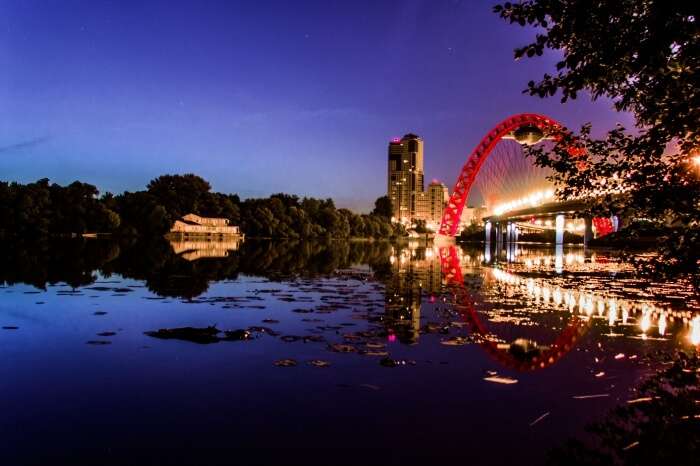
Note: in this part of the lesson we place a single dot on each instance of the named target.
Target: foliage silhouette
(38, 210)
(644, 55)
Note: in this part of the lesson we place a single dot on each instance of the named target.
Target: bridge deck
(549, 209)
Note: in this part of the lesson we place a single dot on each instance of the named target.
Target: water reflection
(526, 306)
(415, 275)
(192, 250)
(695, 330)
(183, 346)
(169, 271)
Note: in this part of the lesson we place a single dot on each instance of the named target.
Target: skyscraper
(439, 195)
(405, 175)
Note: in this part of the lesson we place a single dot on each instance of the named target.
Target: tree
(644, 55)
(140, 213)
(383, 207)
(40, 209)
(180, 194)
(420, 227)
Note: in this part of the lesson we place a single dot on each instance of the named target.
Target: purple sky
(258, 96)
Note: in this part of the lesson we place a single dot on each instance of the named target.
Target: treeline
(37, 209)
(286, 216)
(41, 209)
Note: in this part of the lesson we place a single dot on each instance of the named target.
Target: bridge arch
(460, 193)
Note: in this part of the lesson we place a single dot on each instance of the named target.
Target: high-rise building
(430, 204)
(439, 195)
(405, 184)
(405, 175)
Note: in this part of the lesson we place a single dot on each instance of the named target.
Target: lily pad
(237, 335)
(319, 363)
(285, 363)
(341, 348)
(202, 335)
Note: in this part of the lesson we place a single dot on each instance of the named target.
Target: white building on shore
(194, 225)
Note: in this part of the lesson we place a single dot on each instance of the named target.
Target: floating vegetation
(319, 363)
(455, 341)
(314, 339)
(588, 397)
(285, 363)
(202, 335)
(501, 379)
(237, 335)
(267, 330)
(539, 419)
(341, 348)
(389, 362)
(290, 338)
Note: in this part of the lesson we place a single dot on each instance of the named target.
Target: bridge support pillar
(559, 232)
(587, 230)
(499, 240)
(559, 258)
(511, 238)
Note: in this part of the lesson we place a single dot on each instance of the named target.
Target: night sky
(258, 96)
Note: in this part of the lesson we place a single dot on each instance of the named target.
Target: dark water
(357, 352)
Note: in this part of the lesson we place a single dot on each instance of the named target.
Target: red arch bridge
(525, 128)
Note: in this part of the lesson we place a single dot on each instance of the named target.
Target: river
(329, 351)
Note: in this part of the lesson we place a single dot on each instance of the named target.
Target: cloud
(24, 144)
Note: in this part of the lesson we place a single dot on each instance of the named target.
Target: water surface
(355, 351)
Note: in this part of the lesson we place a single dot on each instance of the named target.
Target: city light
(607, 307)
(695, 330)
(645, 323)
(612, 312)
(662, 324)
(531, 200)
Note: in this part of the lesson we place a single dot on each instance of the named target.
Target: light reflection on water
(367, 328)
(588, 284)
